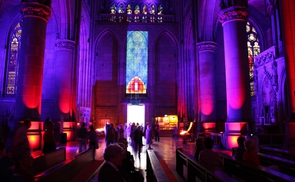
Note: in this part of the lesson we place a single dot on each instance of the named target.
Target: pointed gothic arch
(13, 45)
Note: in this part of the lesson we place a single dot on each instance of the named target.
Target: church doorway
(135, 114)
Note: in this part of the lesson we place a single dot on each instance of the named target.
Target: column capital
(234, 13)
(65, 44)
(206, 46)
(36, 10)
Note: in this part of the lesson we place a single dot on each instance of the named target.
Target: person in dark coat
(48, 138)
(137, 141)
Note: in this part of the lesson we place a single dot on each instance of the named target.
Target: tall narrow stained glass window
(136, 62)
(12, 64)
(253, 50)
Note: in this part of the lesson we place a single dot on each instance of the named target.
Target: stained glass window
(136, 62)
(12, 65)
(137, 13)
(253, 50)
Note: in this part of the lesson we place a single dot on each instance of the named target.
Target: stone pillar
(207, 91)
(233, 20)
(31, 61)
(288, 10)
(64, 79)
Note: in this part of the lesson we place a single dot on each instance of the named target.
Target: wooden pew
(286, 166)
(155, 172)
(277, 152)
(242, 171)
(47, 161)
(82, 168)
(196, 170)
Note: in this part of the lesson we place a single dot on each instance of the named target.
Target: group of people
(112, 134)
(119, 164)
(133, 133)
(85, 135)
(245, 152)
(136, 134)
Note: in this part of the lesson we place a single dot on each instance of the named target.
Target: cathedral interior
(225, 65)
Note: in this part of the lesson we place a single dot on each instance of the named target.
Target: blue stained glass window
(137, 62)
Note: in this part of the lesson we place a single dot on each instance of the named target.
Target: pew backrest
(155, 171)
(277, 152)
(81, 166)
(47, 161)
(195, 171)
(242, 171)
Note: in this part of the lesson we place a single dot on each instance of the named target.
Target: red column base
(232, 131)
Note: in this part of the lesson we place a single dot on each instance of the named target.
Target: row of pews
(55, 167)
(83, 167)
(234, 170)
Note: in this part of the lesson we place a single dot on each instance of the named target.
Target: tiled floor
(165, 150)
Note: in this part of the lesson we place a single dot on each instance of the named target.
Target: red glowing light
(208, 125)
(36, 125)
(232, 141)
(69, 124)
(69, 134)
(64, 102)
(235, 126)
(237, 98)
(207, 104)
(34, 141)
(185, 132)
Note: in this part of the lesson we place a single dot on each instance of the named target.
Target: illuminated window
(145, 12)
(113, 11)
(12, 65)
(136, 62)
(137, 13)
(253, 50)
(160, 12)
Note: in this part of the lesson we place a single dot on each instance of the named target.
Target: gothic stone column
(31, 61)
(64, 79)
(233, 20)
(288, 10)
(207, 91)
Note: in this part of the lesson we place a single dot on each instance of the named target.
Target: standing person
(93, 143)
(110, 134)
(128, 132)
(138, 141)
(120, 131)
(82, 134)
(20, 136)
(113, 156)
(148, 136)
(157, 130)
(22, 160)
(106, 128)
(46, 121)
(175, 137)
(48, 138)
